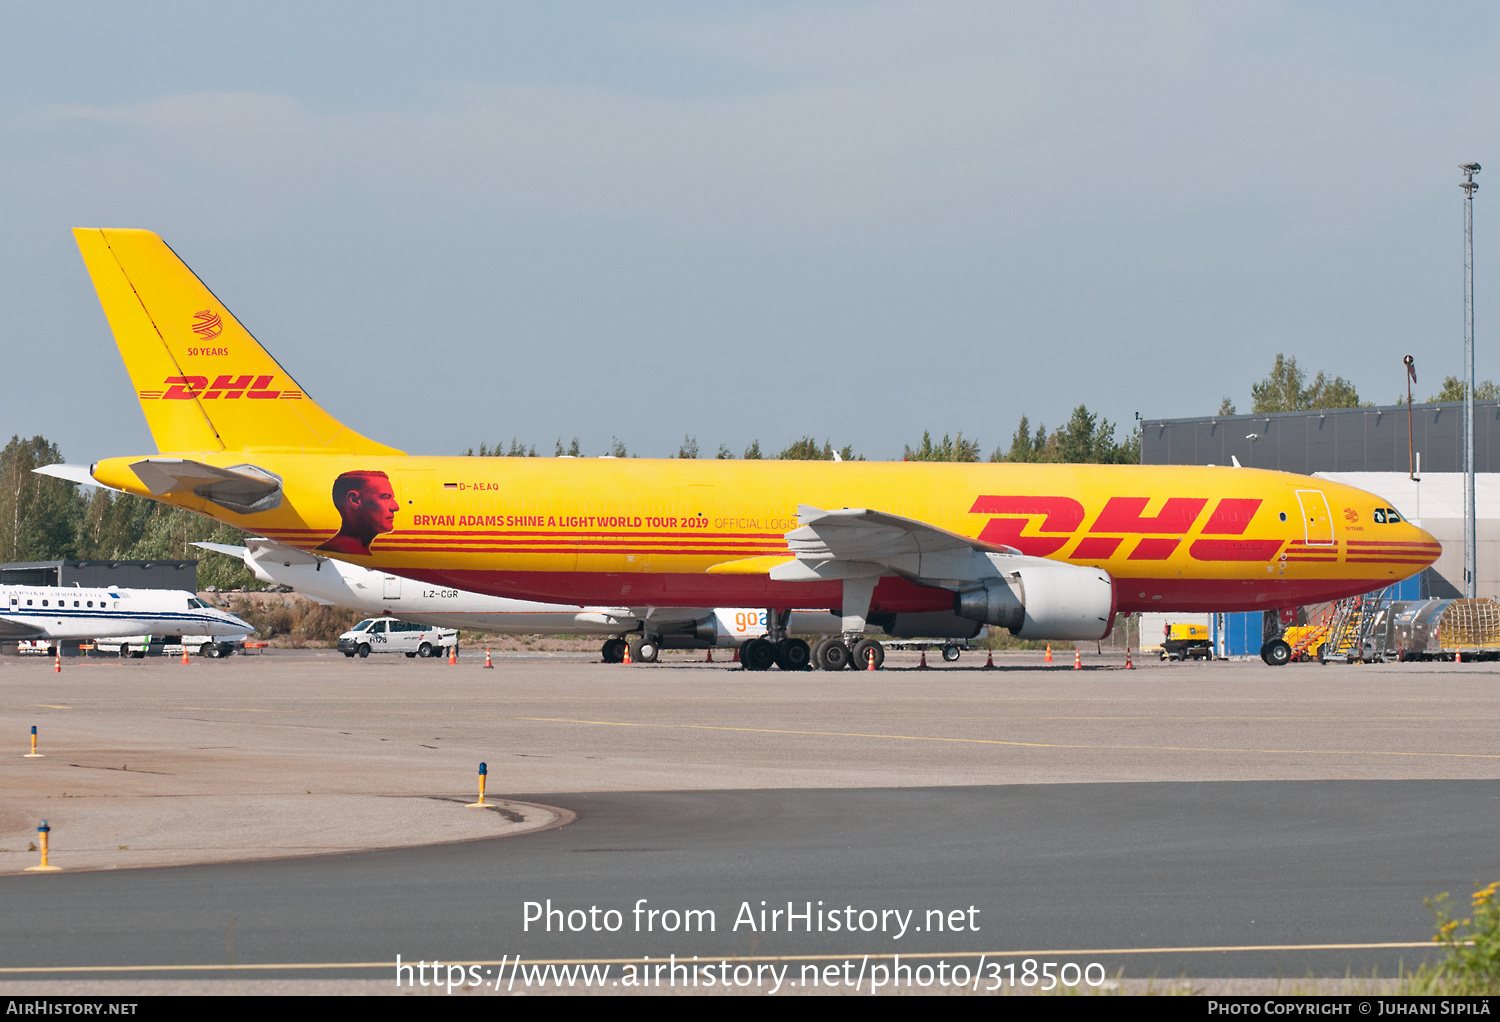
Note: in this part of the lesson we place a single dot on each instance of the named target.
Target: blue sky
(466, 222)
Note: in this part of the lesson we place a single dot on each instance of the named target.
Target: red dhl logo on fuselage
(1162, 533)
(188, 388)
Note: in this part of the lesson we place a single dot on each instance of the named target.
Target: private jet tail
(203, 381)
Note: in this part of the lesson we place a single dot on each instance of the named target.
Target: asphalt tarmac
(1065, 873)
(1202, 820)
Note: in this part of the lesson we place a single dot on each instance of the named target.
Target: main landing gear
(777, 647)
(644, 649)
(835, 652)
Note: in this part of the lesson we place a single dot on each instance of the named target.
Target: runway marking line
(51, 706)
(1068, 952)
(911, 738)
(996, 741)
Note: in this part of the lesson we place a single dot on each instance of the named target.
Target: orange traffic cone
(710, 656)
(1077, 659)
(626, 661)
(736, 656)
(1128, 665)
(184, 654)
(452, 656)
(1048, 658)
(924, 659)
(489, 664)
(989, 661)
(1458, 658)
(57, 662)
(870, 660)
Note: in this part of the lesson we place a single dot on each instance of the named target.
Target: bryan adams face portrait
(367, 504)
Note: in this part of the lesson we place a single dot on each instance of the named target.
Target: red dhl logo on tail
(1162, 533)
(189, 388)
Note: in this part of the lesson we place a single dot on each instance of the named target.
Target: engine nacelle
(1043, 600)
(932, 624)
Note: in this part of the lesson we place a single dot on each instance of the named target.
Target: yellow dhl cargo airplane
(1048, 551)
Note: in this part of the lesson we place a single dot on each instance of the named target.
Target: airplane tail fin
(204, 383)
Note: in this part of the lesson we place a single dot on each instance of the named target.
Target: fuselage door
(392, 587)
(1315, 517)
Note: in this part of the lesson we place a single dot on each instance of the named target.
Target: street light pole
(1471, 539)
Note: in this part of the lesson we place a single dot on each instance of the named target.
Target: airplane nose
(1429, 543)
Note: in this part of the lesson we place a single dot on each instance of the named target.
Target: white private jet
(58, 613)
(651, 628)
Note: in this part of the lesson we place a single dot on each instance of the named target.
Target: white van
(389, 635)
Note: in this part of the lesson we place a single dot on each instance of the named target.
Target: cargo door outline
(1317, 523)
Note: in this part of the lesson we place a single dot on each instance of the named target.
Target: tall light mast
(1471, 541)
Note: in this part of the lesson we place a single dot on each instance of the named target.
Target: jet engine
(1043, 600)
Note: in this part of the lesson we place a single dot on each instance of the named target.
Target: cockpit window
(194, 603)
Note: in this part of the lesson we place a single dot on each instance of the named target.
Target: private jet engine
(1043, 600)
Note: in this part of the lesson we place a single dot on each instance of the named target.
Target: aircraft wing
(859, 543)
(244, 489)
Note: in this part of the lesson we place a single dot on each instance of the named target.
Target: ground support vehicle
(1186, 642)
(392, 635)
(951, 650)
(1446, 630)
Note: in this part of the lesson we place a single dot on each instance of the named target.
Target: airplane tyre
(644, 651)
(226, 649)
(208, 649)
(757, 655)
(1276, 653)
(834, 656)
(364, 650)
(951, 653)
(613, 651)
(859, 658)
(793, 655)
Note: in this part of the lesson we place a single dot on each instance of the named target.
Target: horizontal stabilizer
(71, 473)
(224, 548)
(269, 550)
(243, 489)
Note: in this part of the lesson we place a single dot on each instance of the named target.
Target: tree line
(1287, 388)
(1084, 438)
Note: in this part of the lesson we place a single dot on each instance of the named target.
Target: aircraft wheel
(860, 656)
(834, 656)
(793, 655)
(613, 651)
(1276, 653)
(208, 649)
(138, 654)
(226, 649)
(644, 651)
(951, 653)
(364, 650)
(757, 655)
